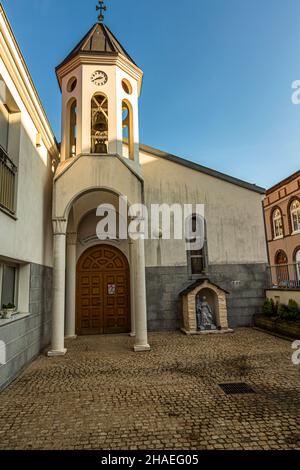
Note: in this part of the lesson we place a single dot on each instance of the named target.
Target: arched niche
(216, 299)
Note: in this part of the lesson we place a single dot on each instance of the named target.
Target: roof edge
(286, 180)
(203, 169)
(198, 283)
(77, 51)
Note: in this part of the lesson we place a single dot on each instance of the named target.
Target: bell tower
(100, 85)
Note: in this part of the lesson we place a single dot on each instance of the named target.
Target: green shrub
(283, 311)
(8, 306)
(269, 308)
(293, 310)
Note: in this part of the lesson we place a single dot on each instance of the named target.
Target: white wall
(235, 225)
(29, 237)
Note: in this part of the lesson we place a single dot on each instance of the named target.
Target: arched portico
(74, 234)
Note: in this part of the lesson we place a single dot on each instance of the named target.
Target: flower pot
(8, 313)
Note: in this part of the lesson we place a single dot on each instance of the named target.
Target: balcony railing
(8, 172)
(284, 276)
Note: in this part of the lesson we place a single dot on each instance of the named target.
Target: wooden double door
(103, 292)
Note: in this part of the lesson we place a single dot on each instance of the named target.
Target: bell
(100, 147)
(100, 123)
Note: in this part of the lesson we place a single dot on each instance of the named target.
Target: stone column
(141, 339)
(70, 331)
(132, 287)
(59, 280)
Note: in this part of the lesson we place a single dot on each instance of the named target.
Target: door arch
(103, 292)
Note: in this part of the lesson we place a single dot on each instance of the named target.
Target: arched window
(282, 268)
(295, 215)
(99, 124)
(277, 224)
(196, 245)
(297, 261)
(127, 123)
(71, 151)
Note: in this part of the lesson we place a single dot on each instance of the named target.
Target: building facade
(28, 153)
(126, 284)
(282, 217)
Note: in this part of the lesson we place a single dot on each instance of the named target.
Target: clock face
(99, 78)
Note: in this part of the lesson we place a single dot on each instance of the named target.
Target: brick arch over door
(103, 292)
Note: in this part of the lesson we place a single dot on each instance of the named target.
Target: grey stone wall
(25, 338)
(246, 284)
(163, 285)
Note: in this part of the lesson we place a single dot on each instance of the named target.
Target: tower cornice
(100, 59)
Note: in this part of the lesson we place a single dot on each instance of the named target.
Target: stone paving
(104, 396)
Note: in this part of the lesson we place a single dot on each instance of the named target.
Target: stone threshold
(208, 332)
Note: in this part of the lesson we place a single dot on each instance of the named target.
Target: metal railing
(8, 172)
(285, 276)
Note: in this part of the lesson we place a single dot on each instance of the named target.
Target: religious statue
(205, 317)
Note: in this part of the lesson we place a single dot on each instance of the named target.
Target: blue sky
(218, 74)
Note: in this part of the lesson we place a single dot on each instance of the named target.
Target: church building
(63, 280)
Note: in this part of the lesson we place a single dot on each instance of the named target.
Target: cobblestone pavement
(104, 396)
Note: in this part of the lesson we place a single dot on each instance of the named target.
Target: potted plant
(8, 310)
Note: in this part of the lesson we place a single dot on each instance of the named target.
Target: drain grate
(236, 388)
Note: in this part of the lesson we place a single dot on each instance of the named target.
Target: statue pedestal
(208, 328)
(207, 332)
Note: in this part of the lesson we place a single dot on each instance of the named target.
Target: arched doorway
(282, 268)
(103, 292)
(297, 261)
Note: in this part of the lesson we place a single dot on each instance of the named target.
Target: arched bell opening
(72, 128)
(99, 124)
(127, 124)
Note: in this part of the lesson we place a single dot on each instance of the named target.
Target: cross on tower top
(101, 7)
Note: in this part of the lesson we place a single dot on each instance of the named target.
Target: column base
(56, 353)
(71, 337)
(132, 334)
(139, 348)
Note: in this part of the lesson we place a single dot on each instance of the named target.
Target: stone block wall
(26, 337)
(245, 283)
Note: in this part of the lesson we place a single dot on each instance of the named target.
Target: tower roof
(98, 41)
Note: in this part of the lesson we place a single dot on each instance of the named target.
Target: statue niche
(206, 318)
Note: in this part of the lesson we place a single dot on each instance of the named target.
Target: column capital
(72, 238)
(59, 226)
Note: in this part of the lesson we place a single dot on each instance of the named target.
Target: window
(297, 261)
(282, 268)
(9, 122)
(72, 83)
(295, 216)
(10, 132)
(127, 123)
(99, 124)
(8, 277)
(197, 259)
(277, 224)
(4, 126)
(197, 262)
(127, 86)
